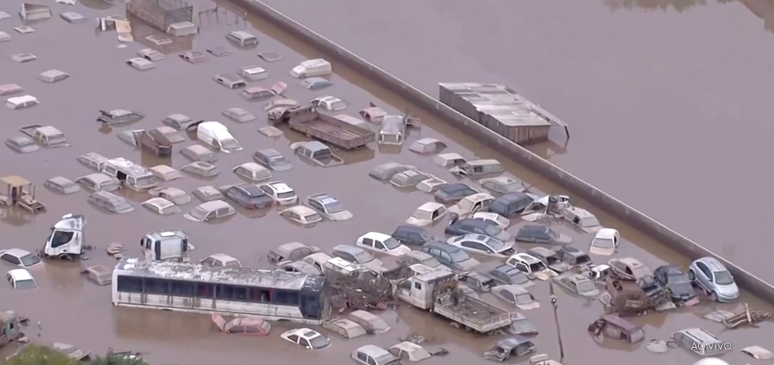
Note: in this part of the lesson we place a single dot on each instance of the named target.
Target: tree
(40, 355)
(116, 360)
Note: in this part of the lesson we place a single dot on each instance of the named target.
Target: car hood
(730, 290)
(418, 222)
(399, 251)
(682, 290)
(281, 166)
(533, 305)
(340, 216)
(564, 239)
(190, 217)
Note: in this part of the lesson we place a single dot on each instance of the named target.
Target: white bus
(186, 287)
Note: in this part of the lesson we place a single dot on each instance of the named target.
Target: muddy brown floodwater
(666, 107)
(75, 311)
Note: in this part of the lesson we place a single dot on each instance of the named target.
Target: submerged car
(382, 243)
(700, 341)
(210, 211)
(452, 257)
(713, 277)
(22, 144)
(329, 103)
(516, 295)
(577, 284)
(356, 255)
(20, 279)
(605, 242)
(328, 206)
(509, 275)
(535, 233)
(280, 192)
(301, 214)
(483, 245)
(248, 196)
(291, 251)
(306, 338)
(453, 193)
(427, 214)
(272, 159)
(387, 170)
(110, 202)
(513, 346)
(467, 226)
(412, 235)
(676, 280)
(19, 257)
(119, 116)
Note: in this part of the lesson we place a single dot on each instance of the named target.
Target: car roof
(410, 228)
(372, 350)
(214, 205)
(18, 252)
(515, 289)
(324, 198)
(442, 246)
(606, 233)
(505, 269)
(280, 186)
(376, 236)
(513, 196)
(454, 187)
(353, 250)
(534, 227)
(699, 333)
(20, 274)
(269, 152)
(250, 190)
(527, 258)
(670, 269)
(159, 202)
(430, 206)
(475, 222)
(712, 263)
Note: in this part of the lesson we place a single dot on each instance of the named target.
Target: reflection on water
(679, 5)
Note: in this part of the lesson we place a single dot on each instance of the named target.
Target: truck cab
(166, 246)
(419, 290)
(9, 328)
(67, 237)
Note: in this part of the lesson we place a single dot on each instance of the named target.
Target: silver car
(22, 144)
(110, 202)
(712, 276)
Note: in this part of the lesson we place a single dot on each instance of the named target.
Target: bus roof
(225, 275)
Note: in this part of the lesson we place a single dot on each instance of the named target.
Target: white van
(312, 68)
(131, 175)
(21, 102)
(217, 135)
(242, 38)
(166, 246)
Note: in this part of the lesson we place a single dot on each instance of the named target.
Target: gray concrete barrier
(552, 172)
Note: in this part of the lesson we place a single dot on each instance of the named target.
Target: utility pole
(556, 320)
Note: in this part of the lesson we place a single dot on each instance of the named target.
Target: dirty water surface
(72, 310)
(654, 92)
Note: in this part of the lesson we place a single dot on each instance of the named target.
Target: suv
(412, 235)
(453, 257)
(699, 341)
(712, 276)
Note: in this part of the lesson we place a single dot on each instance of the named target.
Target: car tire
(691, 275)
(713, 296)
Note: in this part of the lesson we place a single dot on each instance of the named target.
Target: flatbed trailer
(327, 128)
(472, 313)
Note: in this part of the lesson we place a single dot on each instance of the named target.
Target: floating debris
(4, 37)
(34, 11)
(24, 57)
(748, 317)
(182, 29)
(758, 352)
(719, 315)
(72, 17)
(114, 248)
(270, 56)
(24, 29)
(4, 15)
(657, 346)
(66, 2)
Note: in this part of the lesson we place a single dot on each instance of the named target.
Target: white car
(382, 243)
(329, 103)
(483, 245)
(328, 206)
(253, 73)
(21, 279)
(471, 204)
(221, 260)
(495, 218)
(307, 338)
(301, 214)
(427, 214)
(161, 206)
(605, 242)
(530, 265)
(280, 192)
(19, 257)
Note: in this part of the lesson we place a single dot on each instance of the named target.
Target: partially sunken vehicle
(387, 170)
(291, 251)
(217, 136)
(427, 145)
(99, 275)
(617, 328)
(324, 127)
(177, 121)
(161, 206)
(201, 169)
(22, 144)
(198, 153)
(67, 238)
(345, 327)
(407, 179)
(119, 116)
(130, 174)
(93, 160)
(317, 152)
(513, 346)
(174, 195)
(98, 182)
(577, 284)
(272, 159)
(62, 185)
(48, 136)
(369, 321)
(110, 202)
(328, 206)
(210, 211)
(242, 325)
(221, 259)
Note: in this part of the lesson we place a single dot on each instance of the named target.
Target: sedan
(495, 218)
(452, 257)
(509, 275)
(453, 193)
(307, 338)
(676, 280)
(221, 260)
(329, 103)
(328, 206)
(535, 233)
(517, 296)
(381, 243)
(161, 206)
(467, 226)
(253, 73)
(419, 258)
(578, 284)
(19, 257)
(272, 159)
(315, 83)
(22, 144)
(247, 196)
(483, 245)
(301, 214)
(503, 185)
(356, 255)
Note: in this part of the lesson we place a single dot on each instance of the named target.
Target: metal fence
(161, 13)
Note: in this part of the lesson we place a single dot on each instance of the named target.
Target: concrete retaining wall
(562, 178)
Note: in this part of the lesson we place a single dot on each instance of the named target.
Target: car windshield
(443, 194)
(230, 144)
(537, 266)
(551, 233)
(286, 195)
(333, 207)
(199, 213)
(432, 262)
(459, 256)
(517, 277)
(25, 284)
(524, 298)
(604, 243)
(319, 342)
(492, 230)
(29, 260)
(586, 286)
(589, 222)
(312, 217)
(121, 205)
(391, 243)
(723, 278)
(677, 279)
(496, 245)
(277, 160)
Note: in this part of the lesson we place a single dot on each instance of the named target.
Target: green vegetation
(40, 355)
(112, 360)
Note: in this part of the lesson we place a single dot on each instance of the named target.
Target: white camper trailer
(67, 238)
(166, 246)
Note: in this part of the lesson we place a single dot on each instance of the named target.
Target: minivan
(132, 175)
(452, 257)
(510, 205)
(242, 38)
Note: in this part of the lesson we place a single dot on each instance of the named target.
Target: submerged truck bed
(328, 128)
(472, 313)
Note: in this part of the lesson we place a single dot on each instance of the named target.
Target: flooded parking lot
(649, 89)
(73, 310)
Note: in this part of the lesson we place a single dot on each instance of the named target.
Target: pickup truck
(327, 128)
(431, 292)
